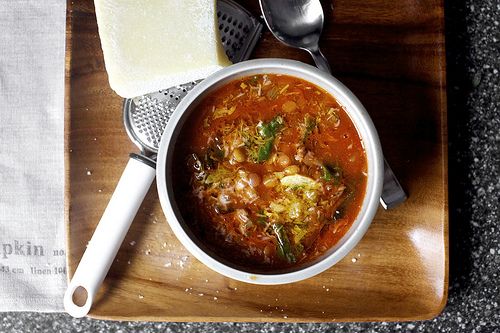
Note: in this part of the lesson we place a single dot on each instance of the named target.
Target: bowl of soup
(270, 171)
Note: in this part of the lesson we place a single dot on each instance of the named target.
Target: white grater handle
(109, 234)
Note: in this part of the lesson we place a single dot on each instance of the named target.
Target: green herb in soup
(270, 171)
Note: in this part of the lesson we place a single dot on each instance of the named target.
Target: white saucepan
(359, 117)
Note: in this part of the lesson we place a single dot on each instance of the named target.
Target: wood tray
(391, 54)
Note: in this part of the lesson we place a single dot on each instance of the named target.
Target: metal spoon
(298, 23)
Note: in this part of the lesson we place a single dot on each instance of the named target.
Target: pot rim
(353, 108)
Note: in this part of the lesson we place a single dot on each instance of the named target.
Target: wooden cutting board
(392, 56)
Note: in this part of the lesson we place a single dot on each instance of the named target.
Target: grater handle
(109, 234)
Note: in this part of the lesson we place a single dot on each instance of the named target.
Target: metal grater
(146, 116)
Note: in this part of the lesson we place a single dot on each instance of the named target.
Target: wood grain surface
(391, 55)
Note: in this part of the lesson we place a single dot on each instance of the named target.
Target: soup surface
(270, 171)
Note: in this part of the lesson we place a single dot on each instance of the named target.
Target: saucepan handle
(109, 234)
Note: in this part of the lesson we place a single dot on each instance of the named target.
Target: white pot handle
(109, 234)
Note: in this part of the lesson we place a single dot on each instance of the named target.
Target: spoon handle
(392, 194)
(320, 59)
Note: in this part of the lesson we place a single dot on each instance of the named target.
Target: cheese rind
(155, 44)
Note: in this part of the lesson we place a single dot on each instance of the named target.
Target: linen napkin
(32, 239)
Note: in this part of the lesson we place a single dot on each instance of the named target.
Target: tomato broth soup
(270, 173)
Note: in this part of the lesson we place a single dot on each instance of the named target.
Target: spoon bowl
(297, 23)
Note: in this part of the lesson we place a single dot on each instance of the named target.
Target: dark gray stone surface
(473, 55)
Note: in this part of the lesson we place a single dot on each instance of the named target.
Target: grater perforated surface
(146, 116)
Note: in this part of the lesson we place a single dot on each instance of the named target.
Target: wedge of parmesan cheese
(155, 44)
